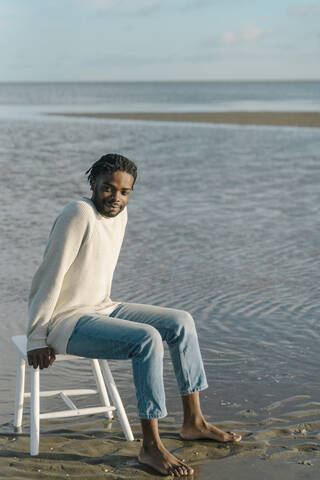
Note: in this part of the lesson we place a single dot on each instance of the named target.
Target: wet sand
(276, 444)
(294, 119)
(78, 456)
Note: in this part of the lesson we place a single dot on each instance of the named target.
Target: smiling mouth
(113, 207)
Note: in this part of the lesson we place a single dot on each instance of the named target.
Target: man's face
(111, 192)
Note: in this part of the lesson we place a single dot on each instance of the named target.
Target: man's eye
(125, 193)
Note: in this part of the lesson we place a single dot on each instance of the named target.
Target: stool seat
(104, 381)
(20, 343)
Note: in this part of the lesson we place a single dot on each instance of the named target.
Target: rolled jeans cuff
(144, 416)
(194, 390)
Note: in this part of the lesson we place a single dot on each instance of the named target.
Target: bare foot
(208, 431)
(158, 458)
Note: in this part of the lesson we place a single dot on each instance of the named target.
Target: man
(70, 311)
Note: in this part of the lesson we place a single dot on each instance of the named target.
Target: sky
(143, 40)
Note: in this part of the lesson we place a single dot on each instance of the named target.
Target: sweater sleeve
(70, 230)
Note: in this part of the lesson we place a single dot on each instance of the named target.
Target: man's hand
(41, 357)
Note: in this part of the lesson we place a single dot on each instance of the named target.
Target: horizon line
(164, 81)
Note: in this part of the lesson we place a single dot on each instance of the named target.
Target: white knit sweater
(75, 275)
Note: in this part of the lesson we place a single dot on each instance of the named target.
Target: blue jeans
(137, 331)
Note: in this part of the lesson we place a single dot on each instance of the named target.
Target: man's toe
(236, 437)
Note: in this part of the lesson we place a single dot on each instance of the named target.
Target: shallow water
(162, 96)
(223, 222)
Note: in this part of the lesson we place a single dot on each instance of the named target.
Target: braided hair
(110, 163)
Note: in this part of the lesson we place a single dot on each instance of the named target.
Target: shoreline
(289, 119)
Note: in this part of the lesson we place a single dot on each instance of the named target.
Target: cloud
(305, 9)
(250, 34)
(228, 38)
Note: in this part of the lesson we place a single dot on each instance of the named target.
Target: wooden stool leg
(101, 385)
(19, 400)
(35, 412)
(116, 399)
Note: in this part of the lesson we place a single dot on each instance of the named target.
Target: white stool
(103, 378)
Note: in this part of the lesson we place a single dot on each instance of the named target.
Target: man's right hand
(41, 357)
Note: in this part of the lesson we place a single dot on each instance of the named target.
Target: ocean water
(158, 96)
(223, 222)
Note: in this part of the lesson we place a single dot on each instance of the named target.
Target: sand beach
(293, 119)
(270, 449)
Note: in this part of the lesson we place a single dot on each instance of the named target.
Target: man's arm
(70, 230)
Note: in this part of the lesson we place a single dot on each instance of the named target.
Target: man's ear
(92, 184)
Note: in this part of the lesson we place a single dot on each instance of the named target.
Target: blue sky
(112, 40)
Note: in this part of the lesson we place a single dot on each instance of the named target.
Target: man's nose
(116, 196)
